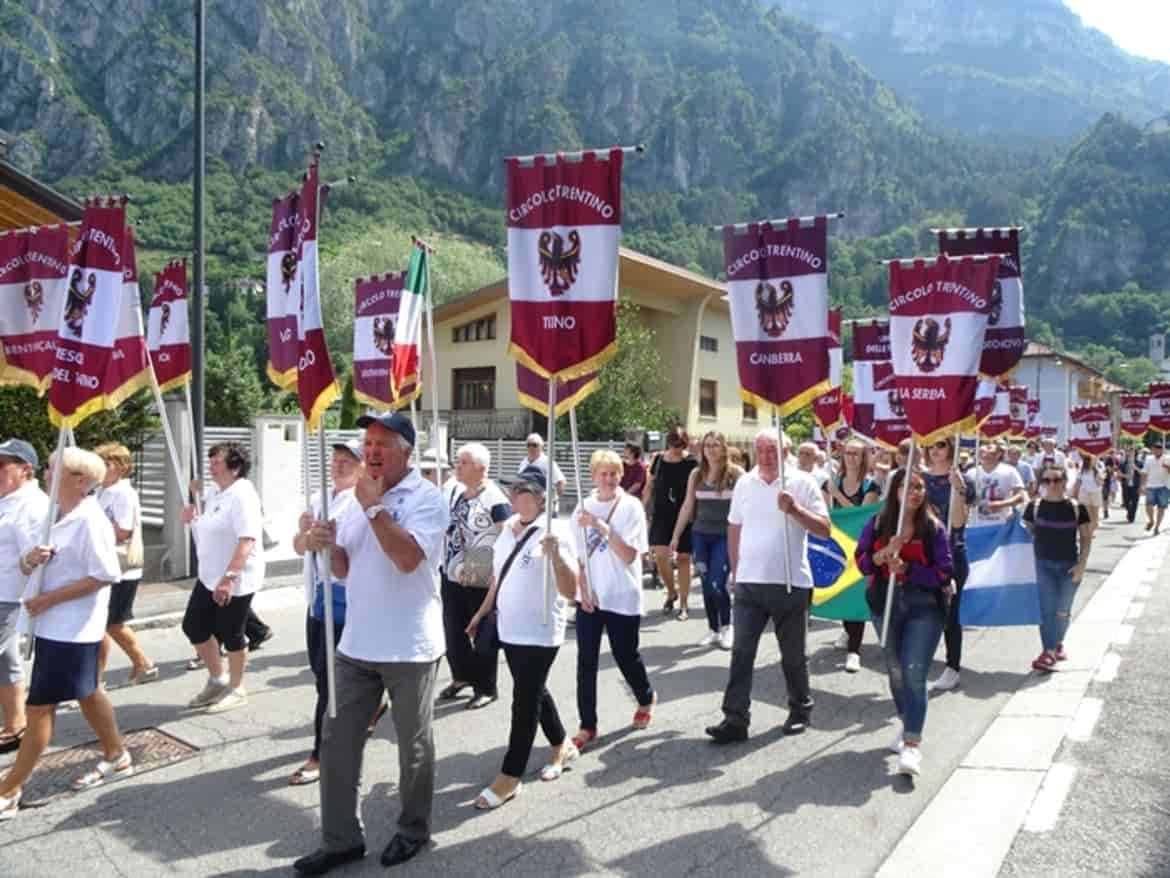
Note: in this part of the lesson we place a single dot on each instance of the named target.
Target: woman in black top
(1063, 534)
(666, 489)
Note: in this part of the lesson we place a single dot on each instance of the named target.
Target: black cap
(395, 421)
(530, 479)
(20, 450)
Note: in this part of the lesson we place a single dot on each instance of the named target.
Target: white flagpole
(34, 587)
(777, 419)
(550, 489)
(326, 571)
(901, 523)
(586, 591)
(306, 488)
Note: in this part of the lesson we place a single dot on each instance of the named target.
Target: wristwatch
(372, 512)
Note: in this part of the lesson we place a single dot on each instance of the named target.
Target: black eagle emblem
(896, 406)
(78, 301)
(1017, 415)
(288, 270)
(558, 265)
(929, 343)
(1164, 405)
(1135, 414)
(1093, 428)
(34, 298)
(996, 309)
(384, 335)
(774, 308)
(164, 318)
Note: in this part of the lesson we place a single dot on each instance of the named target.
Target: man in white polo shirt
(387, 547)
(773, 581)
(1156, 482)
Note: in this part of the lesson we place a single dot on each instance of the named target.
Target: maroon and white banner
(168, 334)
(871, 344)
(564, 230)
(376, 302)
(533, 390)
(90, 314)
(1091, 429)
(34, 267)
(938, 314)
(316, 386)
(778, 289)
(1135, 414)
(985, 399)
(129, 369)
(890, 425)
(1004, 342)
(999, 421)
(1033, 427)
(1160, 407)
(1018, 409)
(827, 406)
(282, 296)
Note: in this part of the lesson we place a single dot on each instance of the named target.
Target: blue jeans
(1057, 591)
(916, 625)
(710, 556)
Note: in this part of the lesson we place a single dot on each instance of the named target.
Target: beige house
(692, 331)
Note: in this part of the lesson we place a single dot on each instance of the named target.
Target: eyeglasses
(917, 487)
(533, 444)
(938, 445)
(1051, 481)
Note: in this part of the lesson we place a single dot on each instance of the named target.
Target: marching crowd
(419, 563)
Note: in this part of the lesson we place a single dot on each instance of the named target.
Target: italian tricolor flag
(409, 329)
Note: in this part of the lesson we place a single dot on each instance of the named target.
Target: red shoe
(643, 715)
(1061, 655)
(1045, 662)
(582, 738)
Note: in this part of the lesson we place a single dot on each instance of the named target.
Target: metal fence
(508, 454)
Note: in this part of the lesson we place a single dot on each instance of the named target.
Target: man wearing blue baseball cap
(23, 507)
(387, 547)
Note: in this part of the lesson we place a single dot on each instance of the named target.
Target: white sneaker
(852, 663)
(726, 637)
(842, 641)
(896, 744)
(710, 638)
(210, 694)
(910, 761)
(231, 699)
(947, 680)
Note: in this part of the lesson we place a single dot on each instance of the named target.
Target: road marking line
(1135, 610)
(1084, 721)
(1124, 635)
(1045, 810)
(1107, 671)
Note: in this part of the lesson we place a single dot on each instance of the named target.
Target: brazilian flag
(839, 587)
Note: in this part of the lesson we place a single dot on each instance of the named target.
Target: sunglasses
(938, 445)
(1051, 481)
(533, 444)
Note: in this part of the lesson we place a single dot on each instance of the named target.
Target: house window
(707, 398)
(707, 343)
(483, 329)
(750, 413)
(475, 388)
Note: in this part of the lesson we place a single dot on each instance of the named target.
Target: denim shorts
(1159, 497)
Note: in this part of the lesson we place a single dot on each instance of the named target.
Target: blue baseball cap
(353, 446)
(394, 421)
(21, 450)
(530, 479)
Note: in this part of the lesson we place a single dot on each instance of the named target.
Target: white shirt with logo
(999, 484)
(84, 547)
(392, 615)
(1157, 470)
(762, 550)
(22, 522)
(122, 507)
(229, 516)
(616, 585)
(519, 600)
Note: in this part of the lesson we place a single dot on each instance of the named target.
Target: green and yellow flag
(839, 587)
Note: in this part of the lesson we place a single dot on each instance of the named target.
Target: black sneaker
(319, 862)
(727, 733)
(259, 640)
(797, 722)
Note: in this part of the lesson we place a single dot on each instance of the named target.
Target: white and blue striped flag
(1001, 589)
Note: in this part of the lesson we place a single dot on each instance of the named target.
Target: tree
(629, 397)
(25, 416)
(234, 392)
(349, 405)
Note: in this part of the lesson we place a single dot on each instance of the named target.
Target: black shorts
(62, 672)
(662, 533)
(205, 619)
(122, 596)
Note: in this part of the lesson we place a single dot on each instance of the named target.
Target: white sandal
(104, 771)
(491, 801)
(10, 805)
(551, 772)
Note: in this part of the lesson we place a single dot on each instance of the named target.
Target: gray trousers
(755, 604)
(411, 687)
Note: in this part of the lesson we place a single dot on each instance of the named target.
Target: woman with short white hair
(477, 512)
(69, 614)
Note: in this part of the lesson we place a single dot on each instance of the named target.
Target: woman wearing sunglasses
(1063, 534)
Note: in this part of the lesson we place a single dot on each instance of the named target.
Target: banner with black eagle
(375, 322)
(281, 294)
(1160, 406)
(1018, 409)
(1135, 414)
(938, 315)
(168, 333)
(999, 420)
(778, 289)
(1034, 425)
(871, 346)
(827, 407)
(88, 322)
(129, 369)
(1004, 342)
(34, 272)
(564, 231)
(1091, 429)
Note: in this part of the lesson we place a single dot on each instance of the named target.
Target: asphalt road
(660, 802)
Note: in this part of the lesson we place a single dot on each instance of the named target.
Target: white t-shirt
(22, 519)
(541, 463)
(338, 504)
(1042, 458)
(762, 550)
(84, 542)
(999, 484)
(519, 601)
(616, 586)
(1157, 470)
(1090, 486)
(229, 516)
(120, 504)
(392, 616)
(472, 523)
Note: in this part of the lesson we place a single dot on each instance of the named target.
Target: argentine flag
(1001, 589)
